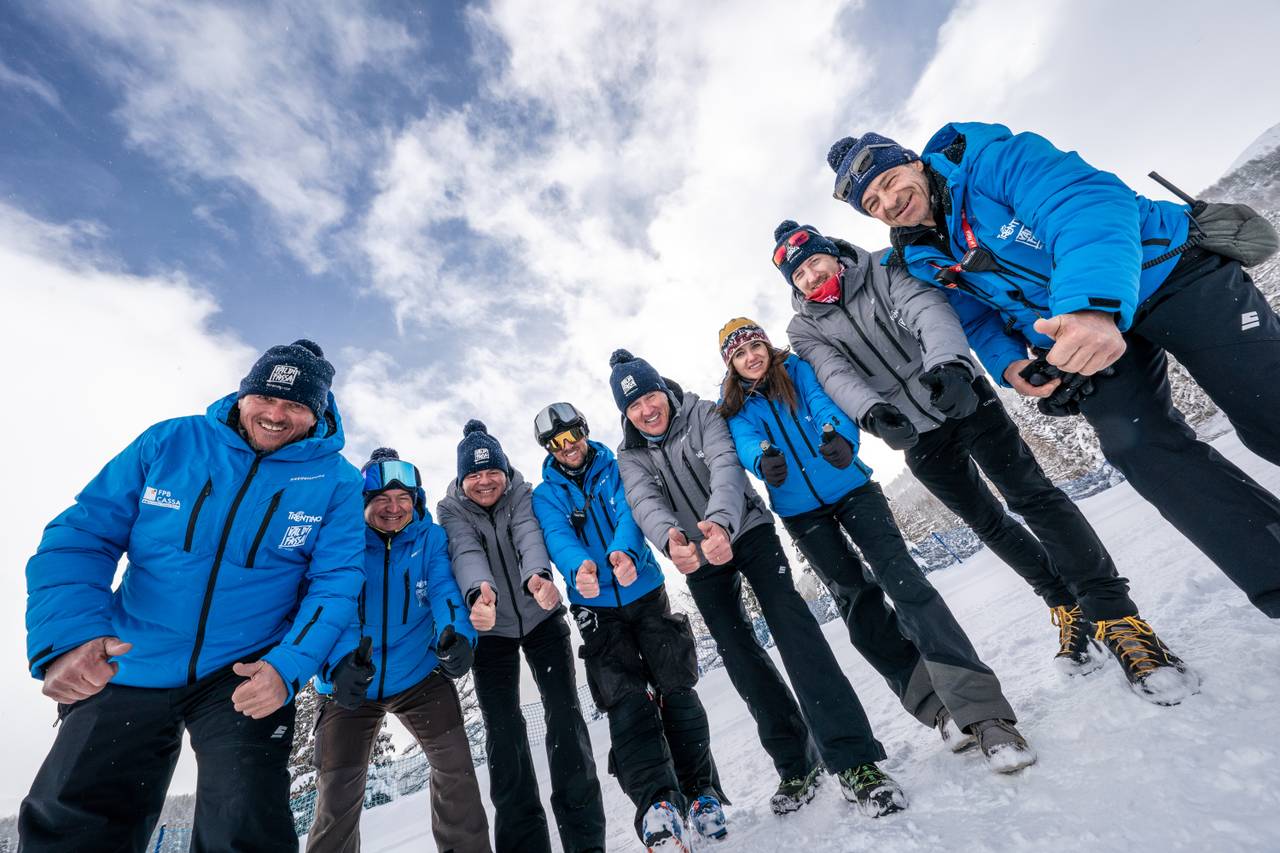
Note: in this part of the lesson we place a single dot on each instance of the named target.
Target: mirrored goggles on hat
(561, 440)
(391, 473)
(797, 239)
(862, 163)
(556, 418)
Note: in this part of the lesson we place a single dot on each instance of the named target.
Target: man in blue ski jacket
(242, 532)
(1039, 250)
(631, 640)
(412, 635)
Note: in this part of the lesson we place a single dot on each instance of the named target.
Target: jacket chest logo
(152, 496)
(1025, 236)
(295, 536)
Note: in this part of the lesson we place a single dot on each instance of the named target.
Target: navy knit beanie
(479, 451)
(631, 379)
(882, 155)
(795, 243)
(298, 372)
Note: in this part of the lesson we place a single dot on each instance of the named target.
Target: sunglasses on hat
(797, 239)
(862, 163)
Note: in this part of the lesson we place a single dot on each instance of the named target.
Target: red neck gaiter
(827, 292)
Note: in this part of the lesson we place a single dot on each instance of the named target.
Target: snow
(1264, 144)
(1113, 769)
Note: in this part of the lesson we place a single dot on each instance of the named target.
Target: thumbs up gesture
(587, 580)
(681, 552)
(715, 543)
(484, 610)
(544, 592)
(624, 568)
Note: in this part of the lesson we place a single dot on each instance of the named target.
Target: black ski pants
(917, 645)
(1209, 315)
(1064, 561)
(828, 706)
(660, 743)
(344, 744)
(104, 781)
(520, 824)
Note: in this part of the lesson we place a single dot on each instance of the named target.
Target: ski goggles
(561, 440)
(797, 239)
(862, 163)
(391, 474)
(554, 420)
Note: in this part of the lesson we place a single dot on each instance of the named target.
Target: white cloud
(32, 84)
(94, 357)
(248, 94)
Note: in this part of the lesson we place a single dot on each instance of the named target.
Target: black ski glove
(835, 448)
(353, 674)
(454, 652)
(773, 465)
(893, 427)
(1065, 399)
(951, 390)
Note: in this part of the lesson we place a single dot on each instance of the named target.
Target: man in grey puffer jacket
(690, 496)
(890, 351)
(501, 564)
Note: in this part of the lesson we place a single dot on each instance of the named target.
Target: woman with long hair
(790, 434)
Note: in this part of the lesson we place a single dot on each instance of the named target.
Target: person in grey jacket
(501, 564)
(690, 496)
(890, 351)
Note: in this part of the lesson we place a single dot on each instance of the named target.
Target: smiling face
(270, 423)
(390, 511)
(484, 488)
(651, 414)
(751, 360)
(572, 456)
(815, 270)
(900, 196)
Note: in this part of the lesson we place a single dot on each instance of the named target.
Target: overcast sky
(469, 207)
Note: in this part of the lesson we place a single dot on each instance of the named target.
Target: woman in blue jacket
(791, 435)
(411, 636)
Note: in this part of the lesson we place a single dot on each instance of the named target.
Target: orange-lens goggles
(797, 239)
(561, 440)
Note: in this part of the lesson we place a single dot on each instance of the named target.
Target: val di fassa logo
(152, 496)
(283, 375)
(1025, 235)
(295, 535)
(628, 384)
(482, 454)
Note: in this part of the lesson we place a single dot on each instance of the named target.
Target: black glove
(893, 427)
(835, 448)
(1039, 371)
(1065, 399)
(773, 465)
(454, 652)
(353, 674)
(951, 390)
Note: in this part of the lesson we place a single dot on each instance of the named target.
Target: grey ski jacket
(872, 345)
(692, 475)
(502, 545)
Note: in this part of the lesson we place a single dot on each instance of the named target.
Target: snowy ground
(1114, 771)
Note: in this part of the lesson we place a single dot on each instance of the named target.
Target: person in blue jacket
(791, 435)
(640, 657)
(242, 532)
(1073, 288)
(411, 637)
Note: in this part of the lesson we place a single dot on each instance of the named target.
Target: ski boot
(706, 816)
(1078, 651)
(795, 792)
(952, 737)
(1155, 673)
(1003, 746)
(662, 829)
(872, 789)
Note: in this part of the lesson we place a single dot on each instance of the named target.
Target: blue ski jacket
(603, 525)
(229, 553)
(409, 598)
(1065, 236)
(812, 481)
